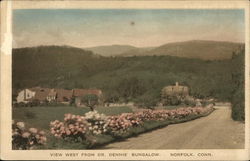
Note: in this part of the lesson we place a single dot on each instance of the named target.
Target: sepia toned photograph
(128, 79)
(87, 78)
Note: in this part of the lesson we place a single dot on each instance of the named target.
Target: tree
(238, 86)
(131, 88)
(147, 101)
(90, 100)
(72, 101)
(175, 100)
(111, 97)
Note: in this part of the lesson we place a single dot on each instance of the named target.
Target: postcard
(124, 80)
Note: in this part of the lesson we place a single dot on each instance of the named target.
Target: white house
(25, 95)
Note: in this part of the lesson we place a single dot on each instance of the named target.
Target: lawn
(169, 107)
(40, 117)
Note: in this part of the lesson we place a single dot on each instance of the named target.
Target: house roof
(52, 93)
(40, 93)
(82, 92)
(63, 93)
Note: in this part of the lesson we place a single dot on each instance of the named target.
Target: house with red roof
(56, 95)
(64, 95)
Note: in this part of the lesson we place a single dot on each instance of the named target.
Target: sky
(136, 27)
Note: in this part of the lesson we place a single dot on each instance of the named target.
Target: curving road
(216, 131)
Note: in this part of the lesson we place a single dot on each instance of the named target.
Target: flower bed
(73, 128)
(94, 129)
(98, 126)
(121, 123)
(26, 139)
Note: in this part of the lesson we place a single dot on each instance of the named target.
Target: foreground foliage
(26, 139)
(100, 129)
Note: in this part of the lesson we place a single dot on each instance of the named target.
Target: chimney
(176, 84)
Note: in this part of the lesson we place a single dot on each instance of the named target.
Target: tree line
(124, 79)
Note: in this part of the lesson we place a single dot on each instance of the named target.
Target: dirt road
(216, 131)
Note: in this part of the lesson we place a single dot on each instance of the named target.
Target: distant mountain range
(111, 50)
(201, 49)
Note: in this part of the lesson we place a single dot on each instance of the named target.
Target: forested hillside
(126, 78)
(238, 86)
(111, 50)
(201, 49)
(206, 50)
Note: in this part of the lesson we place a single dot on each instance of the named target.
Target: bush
(238, 93)
(44, 103)
(21, 104)
(171, 100)
(146, 101)
(121, 123)
(35, 102)
(29, 104)
(90, 100)
(147, 115)
(97, 122)
(80, 129)
(73, 129)
(23, 139)
(238, 105)
(207, 102)
(89, 130)
(174, 100)
(189, 101)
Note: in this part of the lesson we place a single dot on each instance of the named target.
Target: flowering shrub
(121, 123)
(145, 115)
(160, 115)
(92, 123)
(26, 139)
(97, 122)
(73, 128)
(157, 115)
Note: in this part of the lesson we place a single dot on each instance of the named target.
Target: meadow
(40, 117)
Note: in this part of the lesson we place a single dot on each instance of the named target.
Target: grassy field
(40, 117)
(169, 107)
